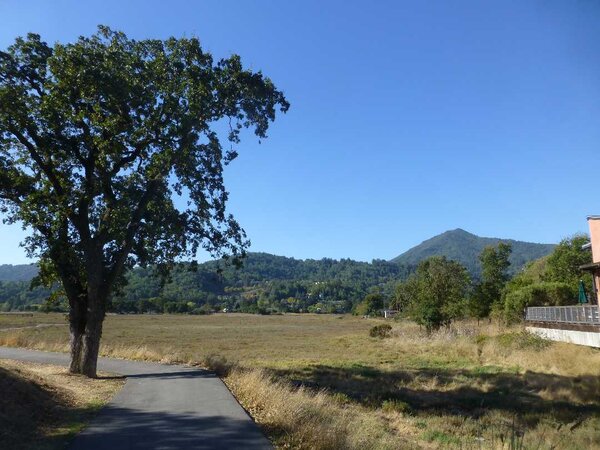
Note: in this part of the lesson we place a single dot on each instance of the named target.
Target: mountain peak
(457, 231)
(464, 247)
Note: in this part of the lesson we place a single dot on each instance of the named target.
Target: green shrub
(218, 364)
(539, 294)
(263, 311)
(440, 437)
(371, 305)
(523, 341)
(481, 339)
(341, 398)
(381, 331)
(396, 406)
(421, 424)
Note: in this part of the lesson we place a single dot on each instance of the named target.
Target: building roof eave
(591, 266)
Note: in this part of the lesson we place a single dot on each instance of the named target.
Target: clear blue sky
(407, 118)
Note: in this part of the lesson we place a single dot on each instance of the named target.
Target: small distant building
(389, 313)
(577, 324)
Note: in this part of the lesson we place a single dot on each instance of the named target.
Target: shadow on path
(163, 375)
(123, 428)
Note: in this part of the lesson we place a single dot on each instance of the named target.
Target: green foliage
(441, 438)
(523, 341)
(494, 275)
(18, 296)
(437, 292)
(396, 406)
(279, 283)
(266, 282)
(371, 305)
(381, 331)
(495, 263)
(99, 137)
(546, 293)
(564, 262)
(549, 281)
(19, 272)
(465, 248)
(261, 267)
(534, 272)
(402, 297)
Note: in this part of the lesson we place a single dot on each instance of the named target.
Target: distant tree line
(19, 296)
(435, 293)
(440, 290)
(265, 284)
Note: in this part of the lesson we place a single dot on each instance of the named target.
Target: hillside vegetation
(268, 283)
(265, 283)
(465, 248)
(18, 272)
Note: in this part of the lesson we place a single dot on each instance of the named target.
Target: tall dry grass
(300, 418)
(18, 338)
(495, 344)
(321, 382)
(166, 354)
(305, 419)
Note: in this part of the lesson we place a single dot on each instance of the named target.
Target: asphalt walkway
(161, 407)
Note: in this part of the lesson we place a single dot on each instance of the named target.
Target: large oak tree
(111, 154)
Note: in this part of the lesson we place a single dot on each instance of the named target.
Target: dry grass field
(320, 381)
(42, 406)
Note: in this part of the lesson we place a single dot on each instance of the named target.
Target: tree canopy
(372, 304)
(436, 292)
(564, 262)
(110, 152)
(494, 276)
(551, 281)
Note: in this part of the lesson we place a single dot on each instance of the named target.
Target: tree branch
(132, 227)
(47, 168)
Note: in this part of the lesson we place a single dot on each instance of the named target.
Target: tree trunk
(86, 330)
(77, 321)
(76, 347)
(92, 335)
(91, 346)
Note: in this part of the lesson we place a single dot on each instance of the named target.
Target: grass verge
(43, 406)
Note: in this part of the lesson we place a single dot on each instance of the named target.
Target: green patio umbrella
(582, 294)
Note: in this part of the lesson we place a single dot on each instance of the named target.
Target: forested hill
(259, 267)
(265, 281)
(19, 272)
(274, 277)
(465, 248)
(272, 283)
(458, 245)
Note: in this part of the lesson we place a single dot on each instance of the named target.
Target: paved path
(161, 407)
